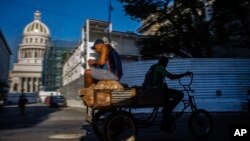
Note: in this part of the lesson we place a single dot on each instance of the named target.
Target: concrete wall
(70, 92)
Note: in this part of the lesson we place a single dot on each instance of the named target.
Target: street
(42, 123)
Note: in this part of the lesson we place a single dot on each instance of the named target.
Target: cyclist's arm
(172, 76)
(175, 76)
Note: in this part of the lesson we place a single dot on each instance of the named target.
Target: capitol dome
(36, 27)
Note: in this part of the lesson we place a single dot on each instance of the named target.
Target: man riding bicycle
(173, 97)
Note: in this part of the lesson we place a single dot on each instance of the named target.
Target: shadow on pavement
(10, 117)
(90, 136)
(221, 125)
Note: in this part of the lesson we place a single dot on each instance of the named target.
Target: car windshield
(58, 97)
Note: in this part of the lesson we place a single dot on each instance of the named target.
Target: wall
(72, 68)
(220, 84)
(70, 92)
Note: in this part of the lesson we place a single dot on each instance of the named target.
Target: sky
(64, 18)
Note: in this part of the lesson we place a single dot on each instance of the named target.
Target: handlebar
(190, 82)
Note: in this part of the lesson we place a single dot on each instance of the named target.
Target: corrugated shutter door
(213, 77)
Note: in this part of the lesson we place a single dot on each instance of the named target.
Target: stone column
(20, 84)
(39, 53)
(34, 84)
(11, 85)
(31, 84)
(19, 54)
(37, 84)
(33, 53)
(40, 84)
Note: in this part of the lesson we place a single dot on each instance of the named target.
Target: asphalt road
(41, 123)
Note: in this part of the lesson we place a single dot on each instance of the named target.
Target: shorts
(100, 74)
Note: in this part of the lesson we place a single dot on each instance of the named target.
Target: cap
(97, 41)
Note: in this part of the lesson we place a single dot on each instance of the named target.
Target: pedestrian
(22, 103)
(51, 100)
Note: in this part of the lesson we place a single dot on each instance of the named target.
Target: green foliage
(190, 25)
(231, 19)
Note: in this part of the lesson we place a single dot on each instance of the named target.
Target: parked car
(55, 101)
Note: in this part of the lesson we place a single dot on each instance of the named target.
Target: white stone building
(72, 68)
(125, 43)
(26, 73)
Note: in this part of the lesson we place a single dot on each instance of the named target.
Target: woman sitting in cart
(173, 96)
(108, 65)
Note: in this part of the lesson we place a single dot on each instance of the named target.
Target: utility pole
(110, 9)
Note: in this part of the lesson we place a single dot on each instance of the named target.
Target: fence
(221, 83)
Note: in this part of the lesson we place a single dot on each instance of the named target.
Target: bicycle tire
(200, 123)
(98, 122)
(120, 125)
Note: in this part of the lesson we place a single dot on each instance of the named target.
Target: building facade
(54, 57)
(125, 43)
(5, 54)
(26, 73)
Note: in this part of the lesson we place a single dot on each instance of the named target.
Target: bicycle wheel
(98, 122)
(200, 123)
(120, 126)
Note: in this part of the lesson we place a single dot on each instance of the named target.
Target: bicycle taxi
(115, 121)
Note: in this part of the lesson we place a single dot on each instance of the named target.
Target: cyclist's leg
(173, 97)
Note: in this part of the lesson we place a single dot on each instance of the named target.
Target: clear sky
(64, 18)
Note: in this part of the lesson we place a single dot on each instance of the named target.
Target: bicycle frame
(190, 102)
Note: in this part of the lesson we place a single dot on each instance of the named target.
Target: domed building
(26, 73)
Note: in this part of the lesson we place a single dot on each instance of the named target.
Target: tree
(230, 22)
(184, 24)
(184, 27)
